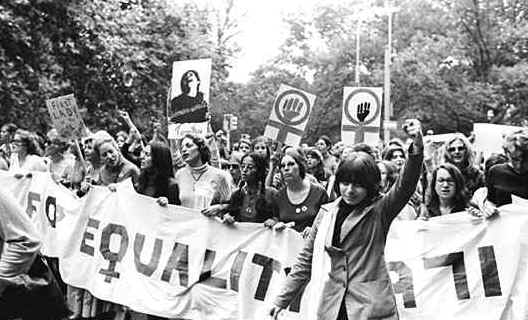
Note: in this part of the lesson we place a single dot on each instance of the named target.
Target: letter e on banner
(289, 115)
(360, 120)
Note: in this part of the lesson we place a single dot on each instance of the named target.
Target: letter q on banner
(289, 116)
(361, 117)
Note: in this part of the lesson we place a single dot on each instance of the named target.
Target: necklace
(250, 201)
(197, 173)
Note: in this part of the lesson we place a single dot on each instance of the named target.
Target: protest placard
(361, 115)
(188, 108)
(489, 137)
(66, 117)
(289, 115)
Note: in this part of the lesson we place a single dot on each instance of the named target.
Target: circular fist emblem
(362, 107)
(292, 107)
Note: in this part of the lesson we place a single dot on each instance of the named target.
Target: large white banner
(173, 262)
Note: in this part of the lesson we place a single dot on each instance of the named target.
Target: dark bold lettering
(236, 269)
(32, 196)
(51, 201)
(456, 260)
(490, 273)
(146, 269)
(179, 261)
(404, 284)
(113, 257)
(206, 274)
(85, 248)
(268, 266)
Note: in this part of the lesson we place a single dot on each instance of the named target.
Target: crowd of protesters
(261, 181)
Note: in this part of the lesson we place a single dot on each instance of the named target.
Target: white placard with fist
(289, 115)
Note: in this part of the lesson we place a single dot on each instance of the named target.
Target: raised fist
(363, 110)
(292, 108)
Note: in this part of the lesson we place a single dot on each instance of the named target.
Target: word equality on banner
(174, 262)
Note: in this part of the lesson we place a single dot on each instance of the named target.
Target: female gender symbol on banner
(289, 116)
(361, 111)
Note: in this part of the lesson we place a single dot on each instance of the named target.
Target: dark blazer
(355, 271)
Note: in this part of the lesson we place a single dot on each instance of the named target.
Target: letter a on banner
(361, 118)
(289, 115)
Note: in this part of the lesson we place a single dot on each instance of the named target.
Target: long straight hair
(160, 173)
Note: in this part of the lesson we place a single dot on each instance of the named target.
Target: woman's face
(109, 154)
(289, 168)
(146, 158)
(383, 172)
(120, 141)
(321, 146)
(191, 80)
(352, 193)
(398, 158)
(445, 185)
(18, 144)
(311, 162)
(518, 160)
(457, 150)
(4, 134)
(346, 153)
(260, 149)
(189, 151)
(244, 148)
(248, 170)
(88, 149)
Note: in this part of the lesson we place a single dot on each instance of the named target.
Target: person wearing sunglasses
(26, 153)
(458, 151)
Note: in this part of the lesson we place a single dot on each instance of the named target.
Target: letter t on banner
(289, 115)
(361, 117)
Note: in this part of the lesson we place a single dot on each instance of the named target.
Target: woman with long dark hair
(26, 153)
(253, 201)
(156, 177)
(315, 166)
(190, 105)
(447, 192)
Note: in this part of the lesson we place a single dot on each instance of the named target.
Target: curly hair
(203, 149)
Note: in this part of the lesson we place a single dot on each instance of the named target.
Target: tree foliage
(452, 61)
(111, 54)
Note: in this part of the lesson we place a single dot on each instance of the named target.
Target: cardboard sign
(289, 115)
(361, 116)
(65, 116)
(489, 137)
(188, 105)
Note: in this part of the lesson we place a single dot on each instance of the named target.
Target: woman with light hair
(459, 152)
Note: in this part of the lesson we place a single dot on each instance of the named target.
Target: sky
(262, 30)
(262, 33)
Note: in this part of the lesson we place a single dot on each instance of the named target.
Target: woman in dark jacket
(346, 244)
(156, 177)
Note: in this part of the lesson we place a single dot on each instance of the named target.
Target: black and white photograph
(264, 160)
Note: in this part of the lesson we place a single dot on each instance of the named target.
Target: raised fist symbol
(291, 108)
(363, 109)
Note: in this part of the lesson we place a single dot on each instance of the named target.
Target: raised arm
(403, 189)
